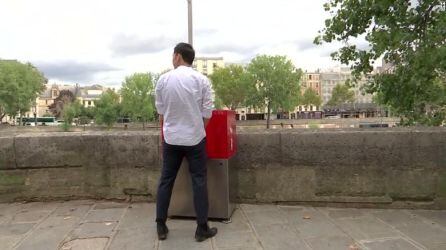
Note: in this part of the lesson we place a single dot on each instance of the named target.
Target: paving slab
(280, 237)
(139, 215)
(263, 217)
(41, 206)
(15, 229)
(86, 244)
(436, 216)
(429, 235)
(111, 204)
(72, 210)
(7, 211)
(311, 223)
(30, 216)
(332, 243)
(134, 238)
(338, 213)
(390, 244)
(8, 242)
(106, 214)
(236, 240)
(50, 233)
(366, 227)
(93, 230)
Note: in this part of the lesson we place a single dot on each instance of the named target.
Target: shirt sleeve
(160, 106)
(206, 109)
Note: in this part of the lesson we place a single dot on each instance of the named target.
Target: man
(183, 101)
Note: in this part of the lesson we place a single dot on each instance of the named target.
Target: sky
(103, 41)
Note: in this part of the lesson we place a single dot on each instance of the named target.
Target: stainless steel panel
(220, 191)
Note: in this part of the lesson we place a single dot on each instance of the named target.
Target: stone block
(49, 150)
(350, 181)
(284, 184)
(129, 180)
(135, 149)
(257, 150)
(247, 186)
(414, 184)
(321, 149)
(7, 154)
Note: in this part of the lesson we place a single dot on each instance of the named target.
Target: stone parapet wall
(376, 167)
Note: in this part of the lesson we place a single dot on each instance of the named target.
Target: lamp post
(189, 15)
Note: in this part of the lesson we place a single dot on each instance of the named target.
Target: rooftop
(87, 224)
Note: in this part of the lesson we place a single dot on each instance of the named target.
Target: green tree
(231, 85)
(276, 84)
(138, 97)
(341, 94)
(107, 108)
(20, 84)
(310, 97)
(86, 114)
(410, 37)
(70, 111)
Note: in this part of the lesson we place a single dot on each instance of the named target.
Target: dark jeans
(172, 157)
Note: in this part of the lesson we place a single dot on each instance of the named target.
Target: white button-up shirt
(183, 97)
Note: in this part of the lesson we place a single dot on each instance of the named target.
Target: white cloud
(116, 38)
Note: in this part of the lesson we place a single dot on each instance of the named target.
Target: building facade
(207, 65)
(333, 77)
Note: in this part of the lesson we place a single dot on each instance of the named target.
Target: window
(215, 65)
(46, 102)
(309, 77)
(205, 64)
(89, 103)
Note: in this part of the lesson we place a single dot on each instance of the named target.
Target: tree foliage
(310, 97)
(410, 37)
(70, 111)
(138, 97)
(275, 82)
(20, 84)
(107, 108)
(232, 86)
(341, 94)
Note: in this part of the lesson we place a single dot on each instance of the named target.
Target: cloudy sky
(102, 41)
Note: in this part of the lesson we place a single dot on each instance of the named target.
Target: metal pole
(189, 11)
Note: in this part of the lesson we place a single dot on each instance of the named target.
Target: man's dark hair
(186, 51)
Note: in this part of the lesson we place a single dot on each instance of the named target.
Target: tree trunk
(268, 115)
(143, 125)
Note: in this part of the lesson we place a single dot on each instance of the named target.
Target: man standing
(184, 103)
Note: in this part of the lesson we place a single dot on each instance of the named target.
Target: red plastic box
(221, 136)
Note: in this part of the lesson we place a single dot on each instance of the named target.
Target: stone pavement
(95, 225)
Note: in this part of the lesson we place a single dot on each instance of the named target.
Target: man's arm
(206, 109)
(159, 104)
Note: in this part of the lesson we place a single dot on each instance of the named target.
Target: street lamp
(189, 15)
